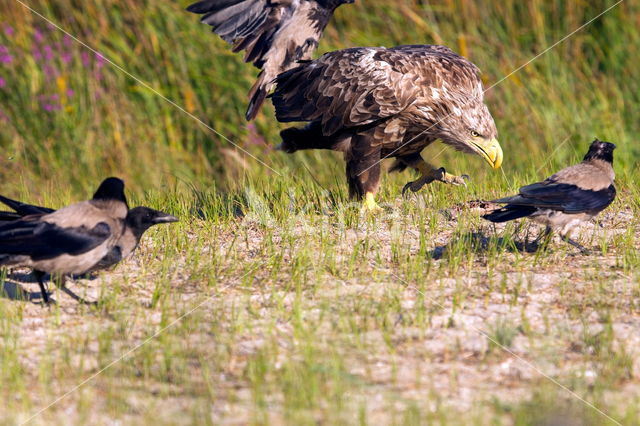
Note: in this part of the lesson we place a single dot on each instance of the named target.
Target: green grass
(309, 311)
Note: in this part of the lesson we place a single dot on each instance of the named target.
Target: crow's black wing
(23, 209)
(7, 216)
(562, 197)
(110, 259)
(42, 240)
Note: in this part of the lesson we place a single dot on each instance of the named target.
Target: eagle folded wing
(346, 88)
(358, 86)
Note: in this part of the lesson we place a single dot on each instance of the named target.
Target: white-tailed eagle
(275, 34)
(374, 103)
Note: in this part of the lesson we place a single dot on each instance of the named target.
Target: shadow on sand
(11, 288)
(480, 243)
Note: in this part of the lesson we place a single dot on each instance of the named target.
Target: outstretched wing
(253, 25)
(273, 34)
(358, 86)
(243, 22)
(41, 240)
(563, 197)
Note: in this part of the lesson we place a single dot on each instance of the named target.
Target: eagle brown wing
(359, 86)
(273, 34)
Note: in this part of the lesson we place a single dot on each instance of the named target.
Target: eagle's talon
(417, 185)
(407, 186)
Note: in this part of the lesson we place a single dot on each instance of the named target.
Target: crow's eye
(475, 134)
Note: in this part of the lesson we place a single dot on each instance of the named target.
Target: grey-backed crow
(71, 240)
(138, 220)
(568, 198)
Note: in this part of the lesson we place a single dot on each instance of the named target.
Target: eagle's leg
(428, 174)
(363, 175)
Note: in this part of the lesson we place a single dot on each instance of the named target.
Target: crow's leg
(577, 245)
(43, 288)
(60, 282)
(543, 240)
(428, 174)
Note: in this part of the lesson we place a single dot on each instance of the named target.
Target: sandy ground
(449, 360)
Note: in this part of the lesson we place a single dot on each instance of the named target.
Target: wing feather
(42, 240)
(23, 209)
(563, 197)
(358, 86)
(275, 35)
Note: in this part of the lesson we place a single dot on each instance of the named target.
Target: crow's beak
(164, 218)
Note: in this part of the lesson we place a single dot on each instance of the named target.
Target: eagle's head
(469, 127)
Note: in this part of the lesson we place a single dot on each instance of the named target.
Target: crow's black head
(139, 219)
(600, 150)
(111, 189)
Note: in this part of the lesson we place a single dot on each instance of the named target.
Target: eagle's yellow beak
(490, 151)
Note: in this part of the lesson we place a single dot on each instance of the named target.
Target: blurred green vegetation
(69, 118)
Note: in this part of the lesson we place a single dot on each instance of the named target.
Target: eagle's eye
(475, 134)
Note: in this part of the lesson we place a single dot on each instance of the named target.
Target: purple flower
(67, 57)
(5, 57)
(100, 60)
(3, 83)
(49, 71)
(9, 31)
(50, 102)
(38, 36)
(48, 52)
(84, 57)
(70, 93)
(67, 40)
(36, 54)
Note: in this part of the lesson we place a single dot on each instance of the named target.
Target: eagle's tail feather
(308, 137)
(509, 212)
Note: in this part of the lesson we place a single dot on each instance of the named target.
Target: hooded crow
(71, 240)
(568, 198)
(138, 220)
